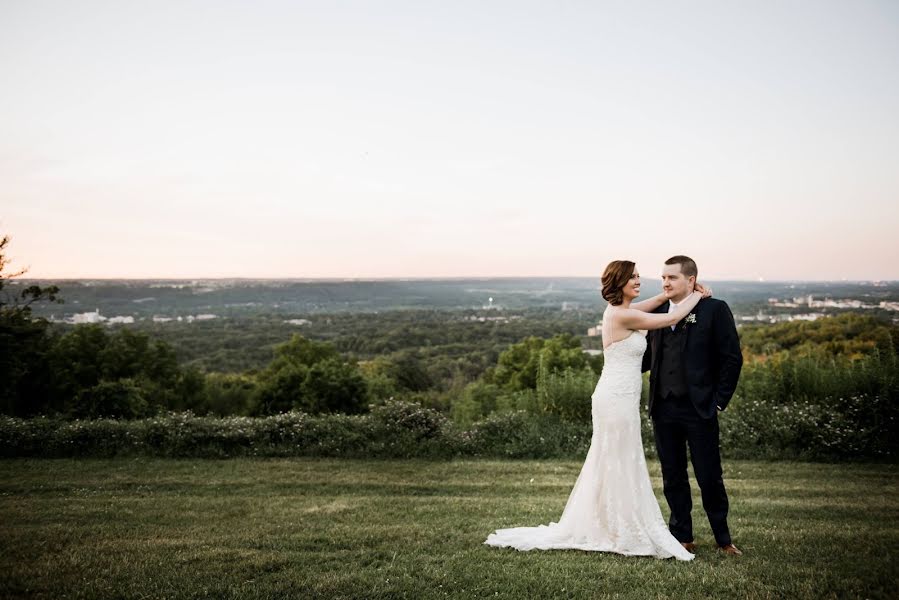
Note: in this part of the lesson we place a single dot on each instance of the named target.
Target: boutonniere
(691, 318)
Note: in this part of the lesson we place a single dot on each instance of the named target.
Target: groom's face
(675, 285)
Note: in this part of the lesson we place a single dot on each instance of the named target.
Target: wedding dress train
(612, 507)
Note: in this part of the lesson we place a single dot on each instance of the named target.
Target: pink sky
(462, 139)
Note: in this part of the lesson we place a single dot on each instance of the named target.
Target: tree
(313, 377)
(300, 351)
(283, 389)
(517, 367)
(222, 394)
(87, 356)
(334, 386)
(23, 341)
(74, 364)
(122, 398)
(478, 400)
(409, 373)
(20, 304)
(379, 379)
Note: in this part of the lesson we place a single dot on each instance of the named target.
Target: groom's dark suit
(694, 372)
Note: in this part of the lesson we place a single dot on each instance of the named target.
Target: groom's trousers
(677, 425)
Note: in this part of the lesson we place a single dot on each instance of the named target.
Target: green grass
(246, 528)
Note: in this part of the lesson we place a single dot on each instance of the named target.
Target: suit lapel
(689, 327)
(685, 333)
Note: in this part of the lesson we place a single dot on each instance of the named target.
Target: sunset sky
(453, 138)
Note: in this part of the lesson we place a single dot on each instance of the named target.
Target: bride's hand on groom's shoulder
(704, 290)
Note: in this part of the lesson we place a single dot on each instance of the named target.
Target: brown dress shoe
(731, 550)
(690, 546)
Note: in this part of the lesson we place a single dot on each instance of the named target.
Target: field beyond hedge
(342, 528)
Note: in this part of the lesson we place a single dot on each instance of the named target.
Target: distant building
(298, 321)
(774, 302)
(826, 303)
(88, 317)
(807, 317)
(490, 305)
(128, 319)
(482, 319)
(191, 318)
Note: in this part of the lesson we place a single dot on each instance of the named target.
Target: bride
(612, 507)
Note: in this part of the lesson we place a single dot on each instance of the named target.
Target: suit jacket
(711, 356)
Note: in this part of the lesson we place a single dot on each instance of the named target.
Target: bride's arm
(650, 304)
(653, 303)
(637, 319)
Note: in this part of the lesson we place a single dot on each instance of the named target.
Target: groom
(694, 370)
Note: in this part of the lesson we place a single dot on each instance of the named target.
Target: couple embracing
(688, 341)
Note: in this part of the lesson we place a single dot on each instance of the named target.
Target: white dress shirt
(671, 308)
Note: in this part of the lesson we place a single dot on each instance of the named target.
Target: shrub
(123, 398)
(521, 435)
(850, 427)
(228, 394)
(478, 400)
(566, 394)
(406, 429)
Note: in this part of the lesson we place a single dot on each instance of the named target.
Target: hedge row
(393, 430)
(858, 427)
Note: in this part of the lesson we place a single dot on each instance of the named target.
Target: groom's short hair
(687, 265)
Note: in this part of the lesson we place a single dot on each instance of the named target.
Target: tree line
(467, 370)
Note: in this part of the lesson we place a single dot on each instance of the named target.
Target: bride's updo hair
(614, 278)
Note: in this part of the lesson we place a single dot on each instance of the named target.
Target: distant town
(299, 303)
(809, 301)
(763, 316)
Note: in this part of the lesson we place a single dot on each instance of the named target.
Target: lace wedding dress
(612, 507)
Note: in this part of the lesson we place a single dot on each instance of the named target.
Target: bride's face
(632, 287)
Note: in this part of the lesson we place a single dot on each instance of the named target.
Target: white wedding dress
(612, 507)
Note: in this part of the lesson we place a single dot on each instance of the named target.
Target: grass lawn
(254, 528)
